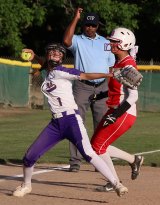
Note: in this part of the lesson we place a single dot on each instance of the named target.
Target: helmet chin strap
(52, 63)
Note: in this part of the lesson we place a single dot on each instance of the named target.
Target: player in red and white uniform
(121, 114)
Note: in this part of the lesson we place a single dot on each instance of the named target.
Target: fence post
(151, 61)
(29, 88)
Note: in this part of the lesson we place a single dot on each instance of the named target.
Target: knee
(85, 152)
(98, 148)
(89, 154)
(86, 155)
(95, 146)
(87, 158)
(27, 162)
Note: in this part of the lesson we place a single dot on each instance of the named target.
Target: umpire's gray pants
(82, 92)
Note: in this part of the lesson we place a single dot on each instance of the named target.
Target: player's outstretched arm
(92, 76)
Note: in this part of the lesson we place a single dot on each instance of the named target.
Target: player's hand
(78, 13)
(109, 119)
(36, 73)
(92, 98)
(29, 51)
(109, 75)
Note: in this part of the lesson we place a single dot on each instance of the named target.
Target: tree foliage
(32, 23)
(16, 17)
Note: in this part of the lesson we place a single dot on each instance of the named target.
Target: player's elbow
(67, 43)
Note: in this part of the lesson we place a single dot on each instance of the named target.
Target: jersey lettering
(50, 87)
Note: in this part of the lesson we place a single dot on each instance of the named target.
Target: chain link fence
(14, 93)
(149, 95)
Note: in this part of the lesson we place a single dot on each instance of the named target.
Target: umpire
(90, 55)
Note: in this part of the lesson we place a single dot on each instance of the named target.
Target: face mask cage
(112, 43)
(54, 47)
(58, 47)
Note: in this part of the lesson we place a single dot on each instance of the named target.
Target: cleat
(74, 168)
(120, 189)
(106, 188)
(135, 166)
(22, 190)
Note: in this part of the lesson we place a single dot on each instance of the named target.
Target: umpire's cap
(91, 19)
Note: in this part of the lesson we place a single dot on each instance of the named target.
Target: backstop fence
(19, 88)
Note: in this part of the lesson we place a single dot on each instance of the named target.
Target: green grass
(18, 131)
(143, 137)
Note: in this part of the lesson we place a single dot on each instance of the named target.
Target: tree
(33, 23)
(147, 34)
(149, 29)
(60, 13)
(16, 17)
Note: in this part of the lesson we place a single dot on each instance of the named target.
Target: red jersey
(117, 93)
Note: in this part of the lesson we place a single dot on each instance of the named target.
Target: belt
(92, 83)
(65, 113)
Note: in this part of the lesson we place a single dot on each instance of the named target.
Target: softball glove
(128, 76)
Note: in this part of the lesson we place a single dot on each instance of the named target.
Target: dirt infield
(60, 187)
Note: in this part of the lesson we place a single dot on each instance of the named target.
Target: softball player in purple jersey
(66, 122)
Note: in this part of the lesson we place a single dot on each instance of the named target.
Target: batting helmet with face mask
(125, 38)
(52, 47)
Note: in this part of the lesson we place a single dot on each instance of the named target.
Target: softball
(26, 56)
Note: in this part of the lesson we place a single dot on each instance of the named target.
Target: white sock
(27, 172)
(106, 157)
(118, 153)
(103, 168)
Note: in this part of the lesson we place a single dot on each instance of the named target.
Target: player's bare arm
(67, 40)
(92, 76)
